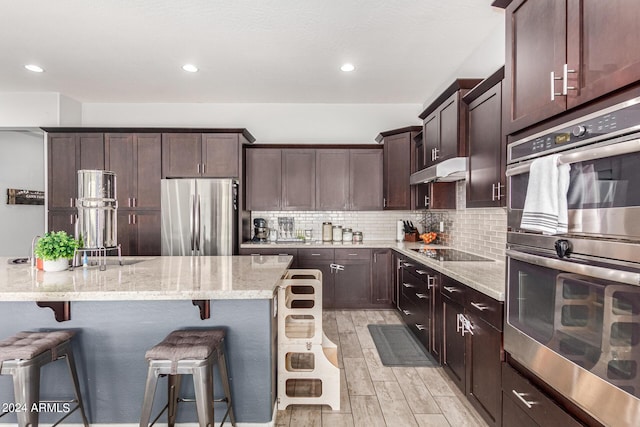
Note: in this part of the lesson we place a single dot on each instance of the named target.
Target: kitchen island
(122, 311)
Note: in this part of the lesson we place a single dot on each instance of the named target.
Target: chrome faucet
(33, 250)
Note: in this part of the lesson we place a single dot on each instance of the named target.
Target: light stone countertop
(486, 277)
(148, 278)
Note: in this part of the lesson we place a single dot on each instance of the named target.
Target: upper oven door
(577, 326)
(604, 190)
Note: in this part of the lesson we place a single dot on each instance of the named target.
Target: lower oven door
(577, 327)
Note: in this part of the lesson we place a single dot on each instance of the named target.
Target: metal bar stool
(188, 352)
(22, 356)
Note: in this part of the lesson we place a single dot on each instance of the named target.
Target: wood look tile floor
(373, 395)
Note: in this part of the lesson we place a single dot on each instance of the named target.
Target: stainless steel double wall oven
(573, 300)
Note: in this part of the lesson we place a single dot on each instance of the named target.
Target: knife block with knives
(411, 233)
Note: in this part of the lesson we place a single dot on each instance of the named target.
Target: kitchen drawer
(412, 286)
(484, 307)
(315, 254)
(543, 411)
(453, 290)
(418, 269)
(345, 253)
(268, 251)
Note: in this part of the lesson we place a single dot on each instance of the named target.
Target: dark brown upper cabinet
(136, 160)
(564, 53)
(313, 179)
(298, 179)
(264, 179)
(398, 155)
(486, 144)
(332, 179)
(365, 179)
(433, 195)
(66, 154)
(444, 123)
(195, 155)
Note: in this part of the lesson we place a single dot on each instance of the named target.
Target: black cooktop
(449, 255)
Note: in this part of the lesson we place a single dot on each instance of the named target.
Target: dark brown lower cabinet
(62, 220)
(472, 346)
(352, 283)
(381, 277)
(453, 354)
(517, 409)
(139, 233)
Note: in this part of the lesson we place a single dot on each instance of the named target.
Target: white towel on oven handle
(545, 205)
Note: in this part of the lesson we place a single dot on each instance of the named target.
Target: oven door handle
(613, 275)
(578, 156)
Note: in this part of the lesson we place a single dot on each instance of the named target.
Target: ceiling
(283, 51)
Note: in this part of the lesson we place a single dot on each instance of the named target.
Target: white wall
(269, 123)
(487, 58)
(22, 167)
(33, 109)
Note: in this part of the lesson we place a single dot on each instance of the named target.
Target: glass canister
(347, 235)
(337, 233)
(357, 237)
(327, 232)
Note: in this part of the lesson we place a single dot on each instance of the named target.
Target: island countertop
(148, 278)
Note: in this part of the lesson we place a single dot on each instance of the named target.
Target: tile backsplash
(482, 231)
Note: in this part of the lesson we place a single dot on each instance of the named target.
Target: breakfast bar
(121, 312)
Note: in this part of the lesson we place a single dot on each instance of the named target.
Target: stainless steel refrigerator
(199, 217)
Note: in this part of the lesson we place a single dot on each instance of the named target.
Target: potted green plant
(55, 249)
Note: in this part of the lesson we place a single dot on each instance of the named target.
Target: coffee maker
(260, 231)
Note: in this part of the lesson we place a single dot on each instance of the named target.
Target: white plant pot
(59, 264)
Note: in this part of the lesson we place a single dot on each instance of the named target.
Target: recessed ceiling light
(34, 68)
(347, 67)
(190, 68)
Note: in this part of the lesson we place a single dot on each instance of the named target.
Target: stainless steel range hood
(454, 169)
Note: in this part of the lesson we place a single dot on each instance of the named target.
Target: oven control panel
(611, 122)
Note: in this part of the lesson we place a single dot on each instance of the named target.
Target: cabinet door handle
(553, 86)
(71, 219)
(435, 154)
(426, 201)
(479, 306)
(204, 168)
(133, 218)
(493, 192)
(451, 289)
(565, 75)
(431, 281)
(529, 404)
(129, 219)
(407, 285)
(135, 202)
(336, 267)
(70, 202)
(499, 195)
(384, 202)
(420, 327)
(406, 312)
(465, 325)
(421, 296)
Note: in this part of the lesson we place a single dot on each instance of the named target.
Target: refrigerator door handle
(198, 220)
(191, 222)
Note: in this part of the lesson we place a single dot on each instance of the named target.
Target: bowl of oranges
(428, 237)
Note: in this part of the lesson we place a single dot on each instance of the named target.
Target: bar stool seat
(22, 356)
(188, 352)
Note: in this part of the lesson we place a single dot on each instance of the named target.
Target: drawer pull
(451, 289)
(520, 396)
(422, 296)
(283, 254)
(408, 285)
(406, 264)
(422, 272)
(406, 312)
(420, 327)
(353, 254)
(315, 254)
(479, 306)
